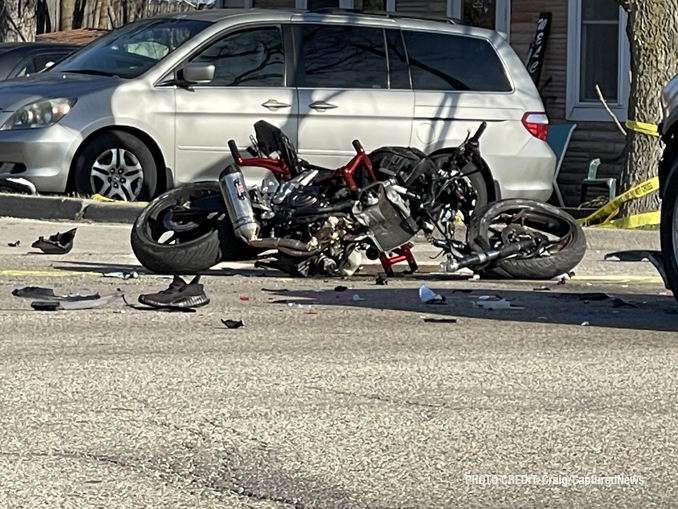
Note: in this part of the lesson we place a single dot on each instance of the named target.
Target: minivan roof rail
(384, 14)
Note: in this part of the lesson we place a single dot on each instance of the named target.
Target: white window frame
(345, 4)
(594, 111)
(502, 21)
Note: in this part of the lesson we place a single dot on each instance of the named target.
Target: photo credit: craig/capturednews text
(557, 480)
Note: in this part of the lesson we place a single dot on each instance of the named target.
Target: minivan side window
(251, 58)
(342, 57)
(454, 62)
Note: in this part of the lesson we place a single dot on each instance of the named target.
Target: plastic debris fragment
(59, 243)
(233, 324)
(428, 296)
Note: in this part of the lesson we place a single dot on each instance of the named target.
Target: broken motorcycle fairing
(306, 220)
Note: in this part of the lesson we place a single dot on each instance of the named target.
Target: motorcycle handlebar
(234, 150)
(479, 133)
(358, 146)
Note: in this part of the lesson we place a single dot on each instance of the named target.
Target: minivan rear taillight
(537, 124)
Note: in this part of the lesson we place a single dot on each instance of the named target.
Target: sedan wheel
(117, 174)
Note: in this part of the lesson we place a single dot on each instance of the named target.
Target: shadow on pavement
(567, 307)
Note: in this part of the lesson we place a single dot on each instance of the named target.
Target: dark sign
(535, 57)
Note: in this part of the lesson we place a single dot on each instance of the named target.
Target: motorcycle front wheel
(510, 220)
(668, 229)
(185, 231)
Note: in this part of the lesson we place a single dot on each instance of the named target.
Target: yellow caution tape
(635, 221)
(607, 212)
(642, 127)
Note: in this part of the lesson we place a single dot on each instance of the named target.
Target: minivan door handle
(322, 106)
(273, 105)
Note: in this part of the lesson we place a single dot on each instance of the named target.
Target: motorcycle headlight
(39, 114)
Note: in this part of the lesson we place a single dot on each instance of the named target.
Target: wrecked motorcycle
(308, 220)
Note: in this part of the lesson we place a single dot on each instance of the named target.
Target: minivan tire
(100, 148)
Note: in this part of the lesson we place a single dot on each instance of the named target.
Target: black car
(23, 58)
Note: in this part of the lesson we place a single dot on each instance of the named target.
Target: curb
(68, 209)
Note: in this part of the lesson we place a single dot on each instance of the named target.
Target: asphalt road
(348, 404)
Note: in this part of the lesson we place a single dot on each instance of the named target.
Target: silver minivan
(152, 104)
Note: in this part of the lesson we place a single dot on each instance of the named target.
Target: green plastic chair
(558, 137)
(592, 179)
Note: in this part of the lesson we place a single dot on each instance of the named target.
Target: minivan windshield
(132, 50)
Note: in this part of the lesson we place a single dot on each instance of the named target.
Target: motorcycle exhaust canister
(238, 204)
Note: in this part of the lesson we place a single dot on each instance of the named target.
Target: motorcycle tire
(215, 243)
(539, 268)
(668, 229)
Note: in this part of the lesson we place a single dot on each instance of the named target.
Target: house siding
(590, 140)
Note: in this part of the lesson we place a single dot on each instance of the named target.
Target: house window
(598, 54)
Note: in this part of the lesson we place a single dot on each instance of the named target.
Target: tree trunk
(66, 15)
(17, 20)
(653, 35)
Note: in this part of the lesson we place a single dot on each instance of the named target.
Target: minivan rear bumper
(527, 174)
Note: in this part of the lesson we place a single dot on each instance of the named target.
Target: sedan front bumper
(42, 156)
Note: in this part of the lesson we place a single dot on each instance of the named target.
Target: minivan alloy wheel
(118, 174)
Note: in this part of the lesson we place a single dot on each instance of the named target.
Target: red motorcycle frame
(280, 168)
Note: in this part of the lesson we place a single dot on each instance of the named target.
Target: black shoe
(178, 295)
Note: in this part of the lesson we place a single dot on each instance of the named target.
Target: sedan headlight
(39, 114)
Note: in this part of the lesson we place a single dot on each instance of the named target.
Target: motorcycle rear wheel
(186, 231)
(484, 233)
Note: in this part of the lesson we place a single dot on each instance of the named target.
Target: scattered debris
(308, 309)
(340, 288)
(621, 303)
(233, 324)
(274, 290)
(244, 298)
(122, 275)
(585, 324)
(14, 244)
(491, 304)
(542, 288)
(475, 277)
(428, 296)
(44, 299)
(357, 298)
(119, 311)
(59, 243)
(381, 281)
(47, 294)
(178, 295)
(440, 320)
